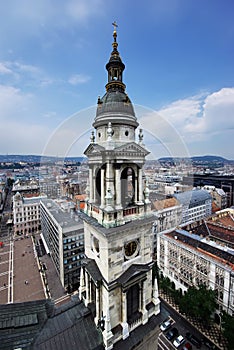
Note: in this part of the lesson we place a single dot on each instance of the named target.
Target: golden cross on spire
(115, 25)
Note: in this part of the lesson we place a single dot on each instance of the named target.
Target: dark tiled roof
(92, 268)
(200, 230)
(39, 325)
(20, 323)
(223, 233)
(71, 327)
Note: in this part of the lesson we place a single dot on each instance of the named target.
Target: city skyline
(179, 73)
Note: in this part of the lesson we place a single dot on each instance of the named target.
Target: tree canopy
(228, 329)
(199, 302)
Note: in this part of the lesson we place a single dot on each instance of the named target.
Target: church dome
(115, 106)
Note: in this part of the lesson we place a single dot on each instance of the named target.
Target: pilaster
(144, 311)
(125, 326)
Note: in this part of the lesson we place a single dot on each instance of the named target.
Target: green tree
(228, 329)
(199, 302)
(165, 283)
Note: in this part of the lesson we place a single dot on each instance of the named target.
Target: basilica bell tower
(116, 278)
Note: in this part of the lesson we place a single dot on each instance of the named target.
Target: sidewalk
(213, 333)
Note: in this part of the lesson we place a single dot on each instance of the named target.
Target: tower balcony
(113, 217)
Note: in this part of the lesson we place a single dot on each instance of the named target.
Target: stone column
(82, 283)
(110, 177)
(125, 330)
(144, 311)
(107, 333)
(118, 189)
(136, 189)
(87, 289)
(91, 185)
(97, 305)
(102, 188)
(156, 300)
(140, 191)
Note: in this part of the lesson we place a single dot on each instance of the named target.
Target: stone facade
(63, 237)
(26, 214)
(188, 259)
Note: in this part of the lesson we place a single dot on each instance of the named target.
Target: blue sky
(179, 57)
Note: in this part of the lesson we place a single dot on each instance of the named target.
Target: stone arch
(98, 183)
(128, 176)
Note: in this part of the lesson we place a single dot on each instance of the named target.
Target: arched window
(98, 186)
(127, 187)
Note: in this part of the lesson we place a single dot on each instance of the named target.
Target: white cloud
(203, 123)
(202, 115)
(78, 79)
(13, 102)
(27, 68)
(4, 69)
(181, 112)
(219, 110)
(16, 73)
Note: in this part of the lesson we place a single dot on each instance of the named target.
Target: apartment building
(196, 204)
(168, 215)
(26, 214)
(200, 256)
(62, 233)
(218, 195)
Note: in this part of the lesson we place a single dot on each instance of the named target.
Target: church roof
(20, 323)
(39, 325)
(71, 327)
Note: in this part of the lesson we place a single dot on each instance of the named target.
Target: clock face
(131, 249)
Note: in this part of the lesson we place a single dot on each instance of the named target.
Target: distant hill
(208, 161)
(17, 158)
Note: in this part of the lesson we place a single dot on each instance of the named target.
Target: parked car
(178, 341)
(187, 346)
(172, 333)
(165, 325)
(194, 340)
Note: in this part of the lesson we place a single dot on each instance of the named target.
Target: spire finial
(115, 25)
(115, 32)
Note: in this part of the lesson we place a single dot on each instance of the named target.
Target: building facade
(116, 277)
(188, 259)
(225, 182)
(26, 214)
(168, 215)
(63, 236)
(218, 195)
(196, 205)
